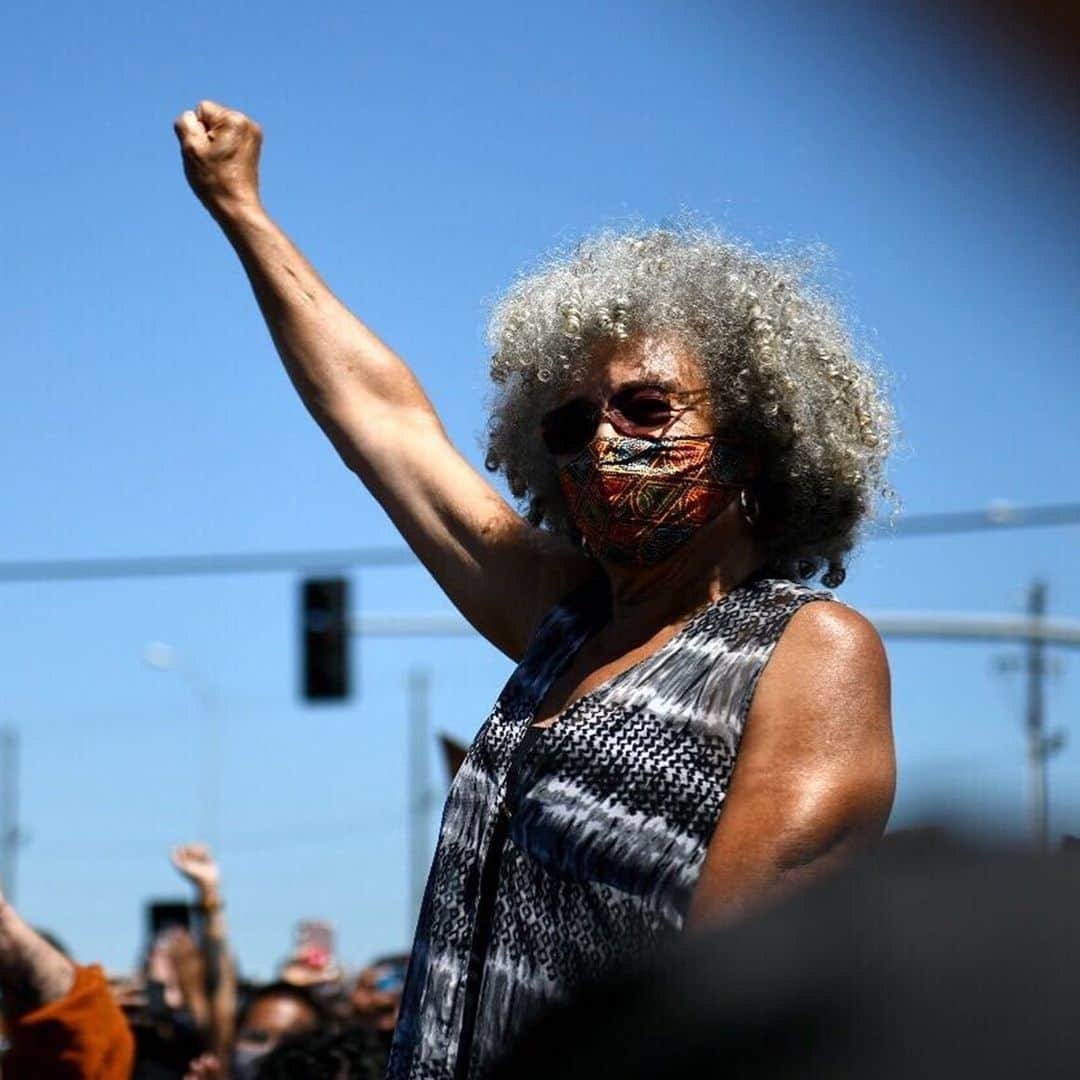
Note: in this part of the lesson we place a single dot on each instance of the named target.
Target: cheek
(696, 421)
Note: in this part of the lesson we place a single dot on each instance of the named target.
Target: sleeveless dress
(568, 849)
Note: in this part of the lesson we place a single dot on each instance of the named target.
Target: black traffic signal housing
(324, 632)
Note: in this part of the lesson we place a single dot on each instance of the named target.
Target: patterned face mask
(637, 501)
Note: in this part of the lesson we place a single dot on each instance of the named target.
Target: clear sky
(421, 155)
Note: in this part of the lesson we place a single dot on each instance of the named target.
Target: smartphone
(162, 915)
(315, 940)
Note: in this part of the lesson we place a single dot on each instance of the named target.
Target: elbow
(851, 823)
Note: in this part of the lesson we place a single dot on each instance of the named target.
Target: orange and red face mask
(636, 501)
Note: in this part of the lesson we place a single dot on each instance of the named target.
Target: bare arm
(61, 1019)
(32, 972)
(816, 771)
(197, 864)
(499, 571)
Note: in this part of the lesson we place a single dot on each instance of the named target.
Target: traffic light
(324, 629)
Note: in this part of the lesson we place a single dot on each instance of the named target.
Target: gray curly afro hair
(784, 375)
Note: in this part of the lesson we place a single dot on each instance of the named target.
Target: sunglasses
(637, 411)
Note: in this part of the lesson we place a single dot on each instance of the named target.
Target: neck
(717, 560)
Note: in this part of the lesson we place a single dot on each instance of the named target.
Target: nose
(604, 430)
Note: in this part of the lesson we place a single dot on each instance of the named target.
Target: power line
(186, 565)
(958, 626)
(11, 835)
(996, 517)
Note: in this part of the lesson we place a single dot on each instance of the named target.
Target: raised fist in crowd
(220, 148)
(218, 974)
(196, 863)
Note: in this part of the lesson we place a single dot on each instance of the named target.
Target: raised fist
(205, 1067)
(197, 864)
(220, 148)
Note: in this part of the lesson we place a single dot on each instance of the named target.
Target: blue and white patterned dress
(592, 856)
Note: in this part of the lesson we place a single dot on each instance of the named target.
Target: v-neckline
(608, 684)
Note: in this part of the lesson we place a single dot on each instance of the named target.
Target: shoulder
(769, 603)
(829, 666)
(824, 626)
(808, 620)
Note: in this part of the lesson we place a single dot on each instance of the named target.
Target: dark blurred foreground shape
(1033, 38)
(924, 962)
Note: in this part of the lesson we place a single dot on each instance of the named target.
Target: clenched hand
(197, 864)
(220, 148)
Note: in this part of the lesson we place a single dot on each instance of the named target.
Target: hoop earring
(749, 505)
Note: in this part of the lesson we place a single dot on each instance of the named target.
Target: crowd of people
(927, 959)
(186, 1013)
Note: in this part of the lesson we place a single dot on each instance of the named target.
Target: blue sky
(421, 155)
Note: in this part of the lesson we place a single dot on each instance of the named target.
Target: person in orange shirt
(61, 1020)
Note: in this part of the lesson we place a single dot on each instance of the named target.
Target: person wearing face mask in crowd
(376, 995)
(273, 1014)
(691, 729)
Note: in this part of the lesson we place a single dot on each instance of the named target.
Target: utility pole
(419, 788)
(1035, 669)
(1041, 747)
(163, 657)
(10, 833)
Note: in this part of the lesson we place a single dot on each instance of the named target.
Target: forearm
(335, 362)
(223, 1007)
(32, 972)
(220, 972)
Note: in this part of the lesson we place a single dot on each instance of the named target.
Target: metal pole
(1038, 749)
(210, 803)
(419, 788)
(163, 657)
(9, 822)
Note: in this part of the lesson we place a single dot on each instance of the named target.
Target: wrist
(237, 213)
(210, 899)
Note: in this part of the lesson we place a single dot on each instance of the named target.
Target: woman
(692, 430)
